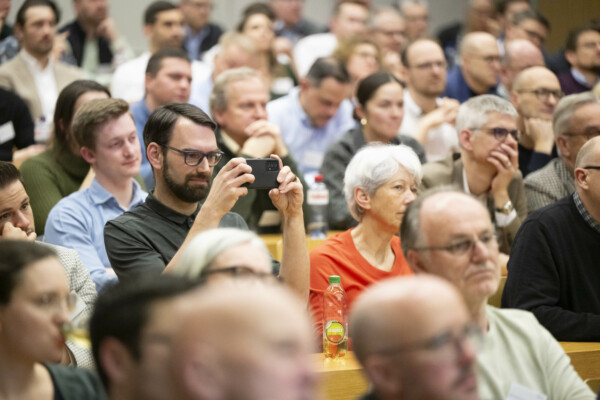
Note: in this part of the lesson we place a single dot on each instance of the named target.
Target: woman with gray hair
(225, 252)
(380, 181)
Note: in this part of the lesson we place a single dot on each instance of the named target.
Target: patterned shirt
(585, 214)
(548, 185)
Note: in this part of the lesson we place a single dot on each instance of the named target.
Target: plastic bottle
(318, 201)
(335, 324)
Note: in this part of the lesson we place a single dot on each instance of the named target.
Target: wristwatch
(506, 209)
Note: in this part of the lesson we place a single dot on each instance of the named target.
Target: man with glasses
(428, 117)
(535, 93)
(575, 121)
(108, 141)
(182, 149)
(582, 51)
(487, 166)
(450, 234)
(479, 70)
(554, 263)
(415, 340)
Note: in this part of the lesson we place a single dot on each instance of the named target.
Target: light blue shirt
(77, 222)
(141, 113)
(307, 143)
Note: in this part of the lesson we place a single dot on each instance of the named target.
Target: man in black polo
(182, 149)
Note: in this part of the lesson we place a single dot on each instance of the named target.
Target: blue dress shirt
(141, 113)
(307, 143)
(457, 88)
(77, 222)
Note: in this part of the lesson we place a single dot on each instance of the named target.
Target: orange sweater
(338, 256)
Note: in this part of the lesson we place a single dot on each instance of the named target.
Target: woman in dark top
(380, 110)
(35, 302)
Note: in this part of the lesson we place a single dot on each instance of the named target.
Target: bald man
(243, 342)
(479, 71)
(554, 266)
(535, 94)
(519, 54)
(415, 340)
(450, 234)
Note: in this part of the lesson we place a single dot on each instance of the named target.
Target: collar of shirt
(412, 107)
(230, 143)
(170, 214)
(193, 42)
(585, 214)
(578, 76)
(33, 64)
(99, 195)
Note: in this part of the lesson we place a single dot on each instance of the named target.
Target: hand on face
(108, 29)
(227, 188)
(506, 160)
(288, 197)
(9, 231)
(540, 131)
(264, 138)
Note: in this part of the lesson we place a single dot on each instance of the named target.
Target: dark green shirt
(145, 239)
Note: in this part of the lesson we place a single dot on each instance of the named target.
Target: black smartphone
(265, 171)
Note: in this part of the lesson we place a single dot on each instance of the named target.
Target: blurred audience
(349, 18)
(33, 74)
(450, 234)
(582, 51)
(576, 120)
(361, 56)
(428, 117)
(529, 25)
(379, 183)
(200, 33)
(388, 29)
(291, 23)
(519, 54)
(60, 170)
(415, 340)
(380, 110)
(416, 17)
(105, 132)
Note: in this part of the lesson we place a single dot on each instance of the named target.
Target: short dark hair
(155, 61)
(156, 8)
(20, 18)
(15, 256)
(160, 124)
(122, 311)
(8, 174)
(407, 46)
(502, 5)
(368, 86)
(530, 14)
(65, 110)
(93, 114)
(339, 3)
(573, 36)
(327, 67)
(253, 9)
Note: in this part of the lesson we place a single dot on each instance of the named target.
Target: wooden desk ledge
(340, 379)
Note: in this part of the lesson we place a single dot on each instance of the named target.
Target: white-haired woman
(380, 181)
(223, 253)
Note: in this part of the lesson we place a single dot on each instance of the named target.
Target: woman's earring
(363, 121)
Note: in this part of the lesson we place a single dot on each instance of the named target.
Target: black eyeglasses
(597, 167)
(431, 65)
(589, 133)
(543, 94)
(464, 246)
(195, 157)
(501, 133)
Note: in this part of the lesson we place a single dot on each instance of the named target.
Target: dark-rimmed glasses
(596, 167)
(448, 343)
(589, 133)
(464, 246)
(193, 158)
(239, 272)
(543, 94)
(501, 133)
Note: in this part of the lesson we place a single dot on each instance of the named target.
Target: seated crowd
(133, 227)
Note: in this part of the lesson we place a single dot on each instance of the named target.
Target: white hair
(205, 247)
(374, 165)
(473, 113)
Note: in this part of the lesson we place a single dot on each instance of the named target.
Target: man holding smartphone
(238, 104)
(187, 199)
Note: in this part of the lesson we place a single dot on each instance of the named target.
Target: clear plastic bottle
(335, 324)
(318, 201)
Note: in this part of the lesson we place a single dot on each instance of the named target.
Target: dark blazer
(450, 172)
(214, 33)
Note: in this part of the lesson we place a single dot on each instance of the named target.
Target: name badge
(7, 132)
(520, 392)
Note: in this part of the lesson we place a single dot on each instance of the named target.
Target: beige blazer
(15, 76)
(450, 172)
